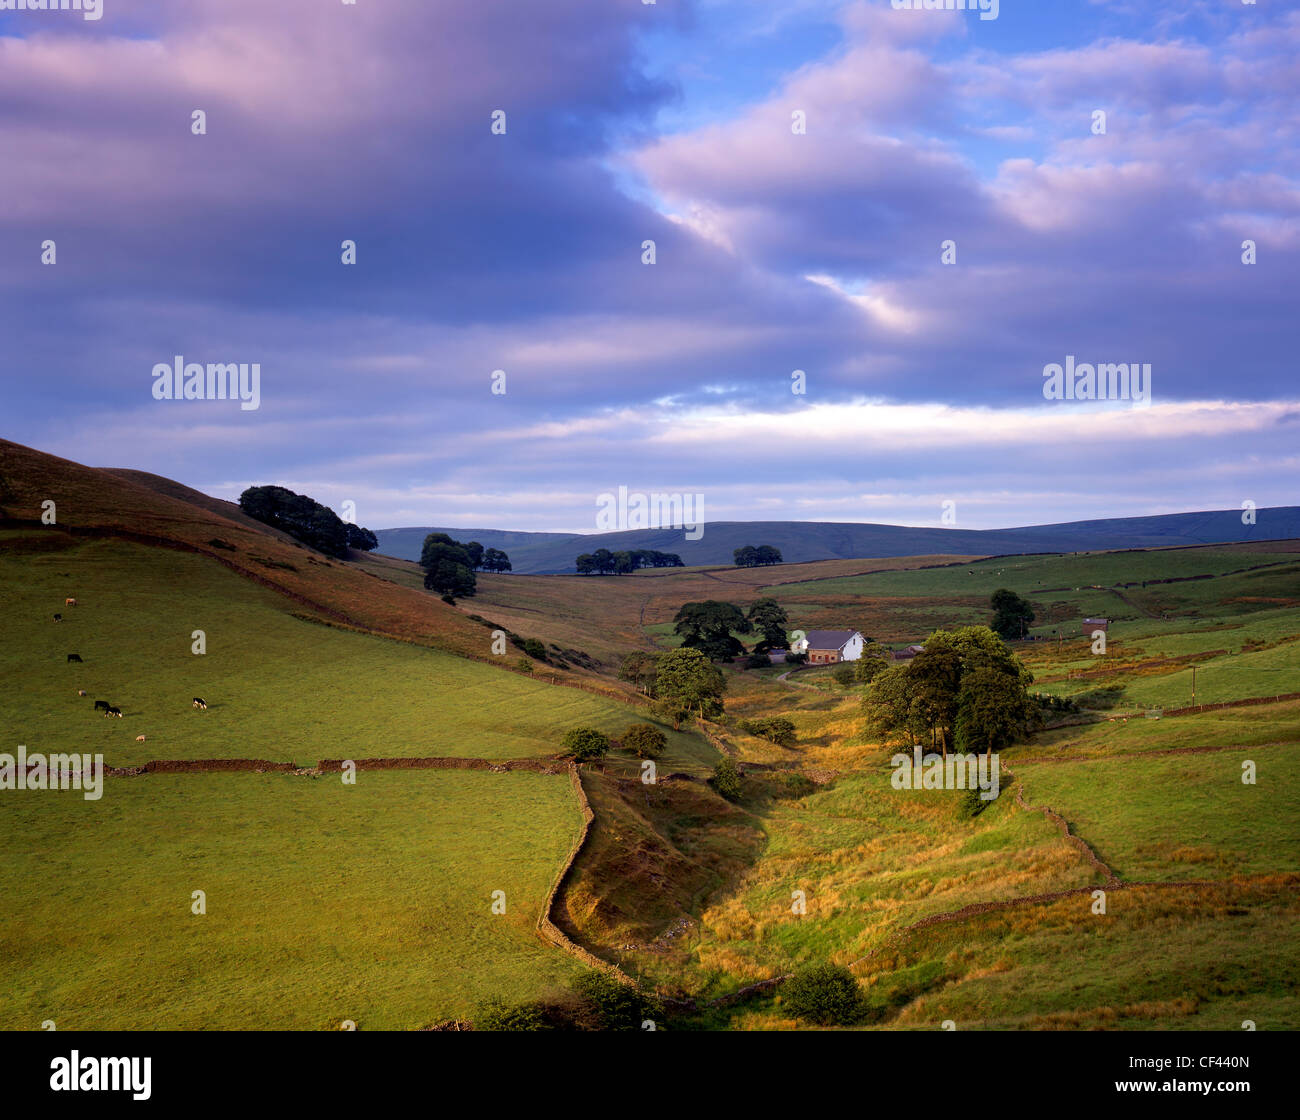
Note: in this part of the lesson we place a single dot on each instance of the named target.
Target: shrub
(644, 740)
(583, 743)
(497, 1015)
(775, 729)
(524, 665)
(606, 1004)
(826, 994)
(844, 674)
(757, 660)
(535, 649)
(726, 779)
(798, 785)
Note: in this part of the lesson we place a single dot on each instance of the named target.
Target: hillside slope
(134, 506)
(802, 541)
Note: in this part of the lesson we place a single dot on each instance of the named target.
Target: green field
(325, 902)
(278, 687)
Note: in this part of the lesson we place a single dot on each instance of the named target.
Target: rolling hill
(802, 541)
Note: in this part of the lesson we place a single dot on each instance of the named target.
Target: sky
(921, 211)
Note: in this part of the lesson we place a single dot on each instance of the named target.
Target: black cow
(113, 712)
(58, 618)
(199, 702)
(101, 704)
(74, 657)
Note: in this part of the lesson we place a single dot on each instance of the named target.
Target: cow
(58, 618)
(139, 738)
(199, 702)
(74, 657)
(113, 712)
(69, 602)
(99, 704)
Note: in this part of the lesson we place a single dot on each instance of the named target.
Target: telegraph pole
(1193, 686)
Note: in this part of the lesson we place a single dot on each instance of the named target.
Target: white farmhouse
(825, 647)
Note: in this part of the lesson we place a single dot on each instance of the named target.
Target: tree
(826, 994)
(687, 679)
(585, 743)
(474, 551)
(644, 740)
(766, 554)
(448, 567)
(890, 707)
(494, 560)
(726, 779)
(874, 660)
(768, 618)
(707, 627)
(844, 674)
(775, 729)
(606, 1004)
(993, 711)
(586, 564)
(623, 564)
(751, 557)
(638, 667)
(935, 676)
(1012, 615)
(363, 540)
(304, 519)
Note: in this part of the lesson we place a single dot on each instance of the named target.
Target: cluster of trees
(751, 557)
(775, 729)
(583, 744)
(965, 691)
(306, 520)
(1012, 615)
(710, 627)
(683, 682)
(449, 565)
(602, 562)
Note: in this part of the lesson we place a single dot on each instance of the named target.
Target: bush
(826, 994)
(726, 779)
(644, 740)
(757, 660)
(798, 785)
(607, 1004)
(775, 729)
(844, 674)
(584, 743)
(524, 665)
(534, 648)
(497, 1015)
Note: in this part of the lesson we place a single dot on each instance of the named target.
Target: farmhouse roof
(829, 639)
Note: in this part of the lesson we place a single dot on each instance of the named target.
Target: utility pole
(1193, 686)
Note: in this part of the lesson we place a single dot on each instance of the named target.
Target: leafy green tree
(687, 679)
(775, 729)
(874, 660)
(1012, 615)
(708, 627)
(497, 1015)
(448, 567)
(935, 677)
(993, 711)
(844, 674)
(726, 779)
(825, 994)
(644, 740)
(623, 564)
(891, 710)
(474, 551)
(768, 618)
(363, 540)
(639, 668)
(584, 744)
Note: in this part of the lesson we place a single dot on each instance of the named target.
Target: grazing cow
(113, 712)
(100, 704)
(69, 602)
(199, 702)
(139, 738)
(81, 692)
(74, 657)
(58, 618)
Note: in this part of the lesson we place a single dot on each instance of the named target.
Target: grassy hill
(801, 541)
